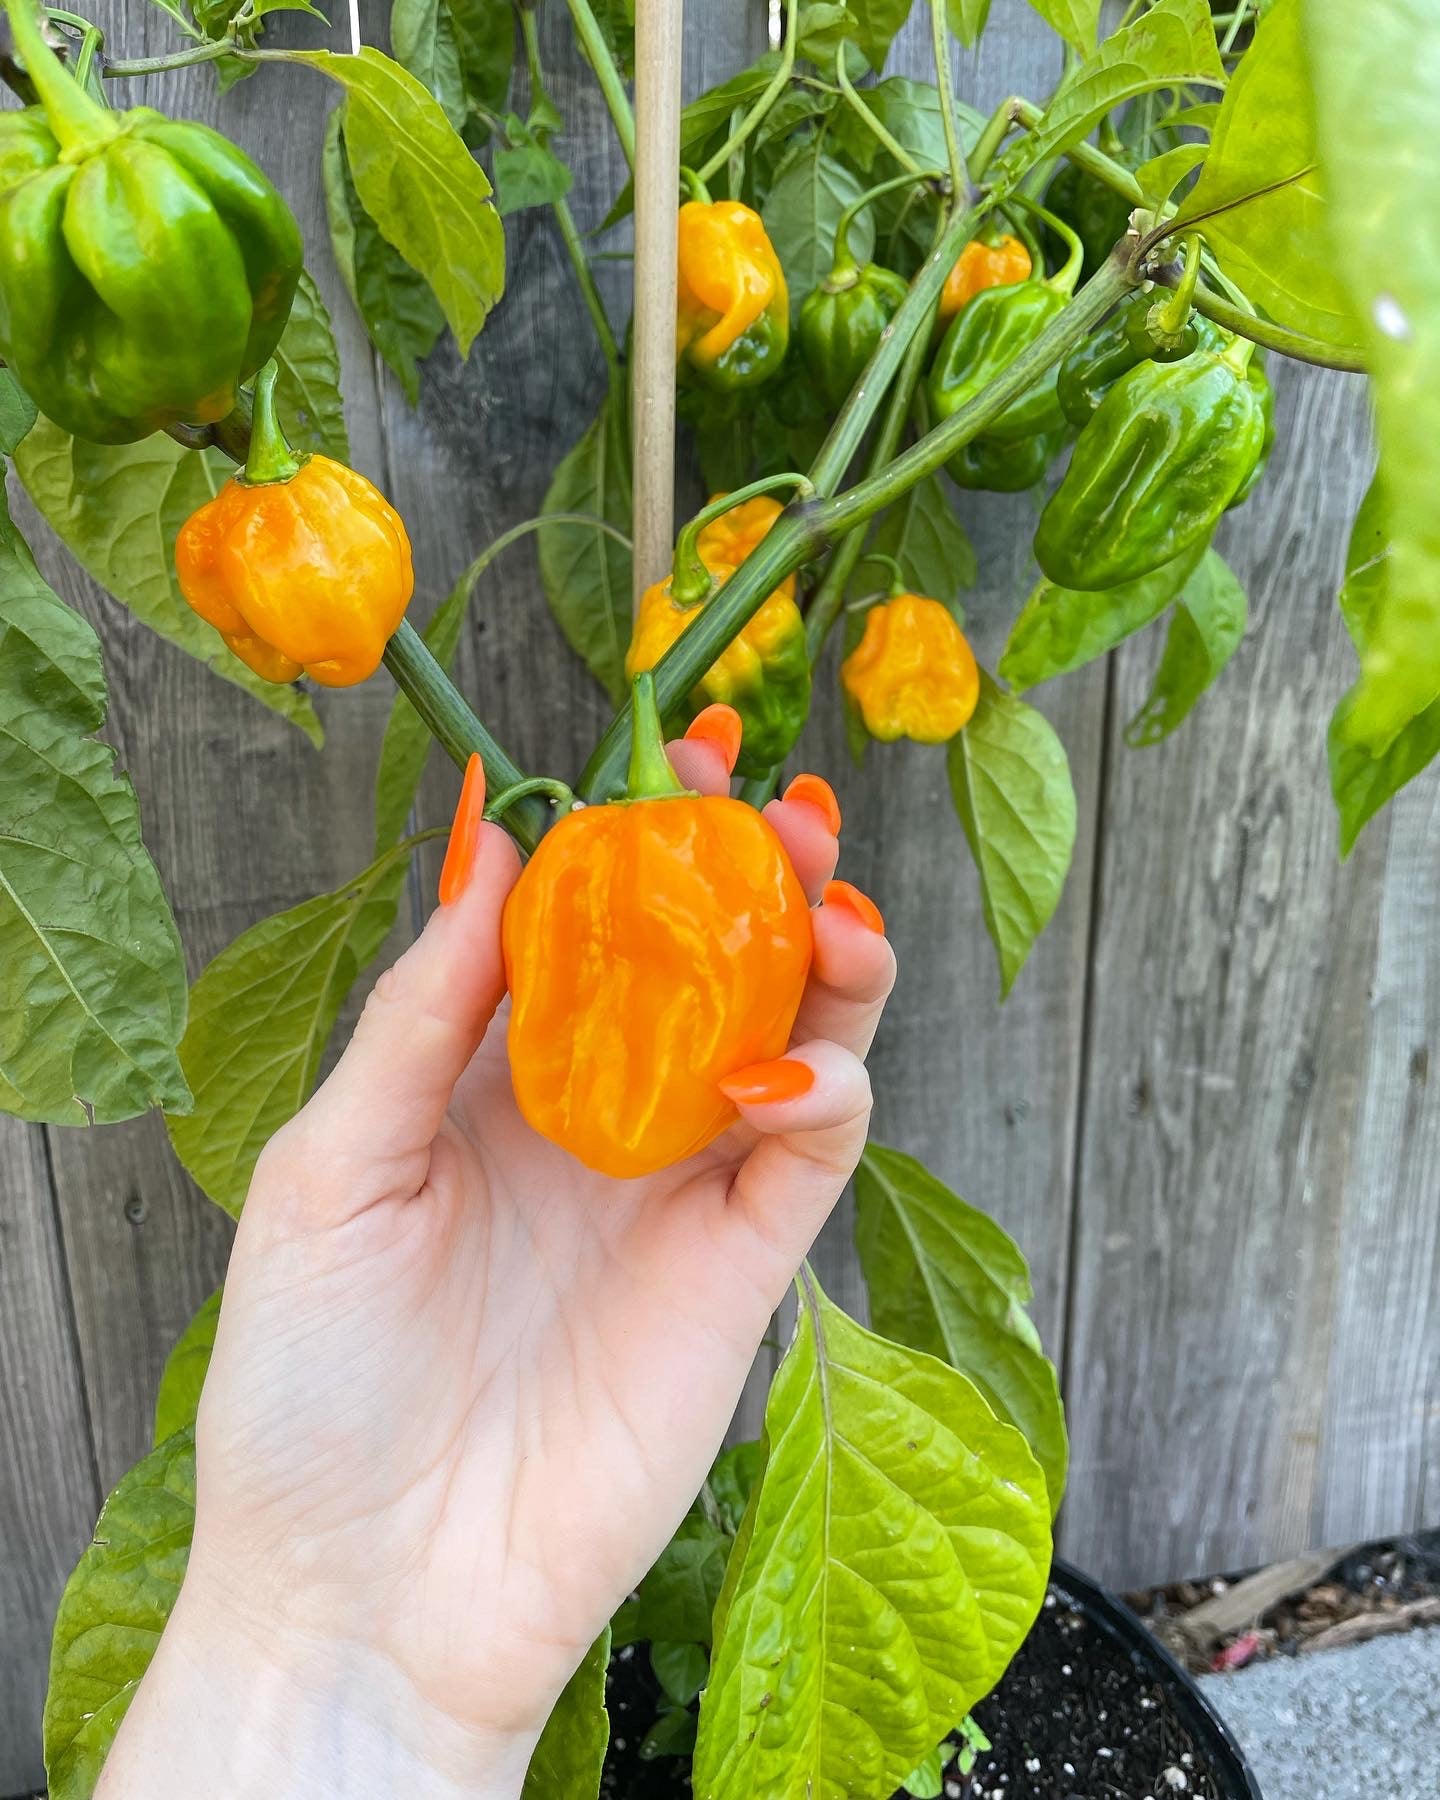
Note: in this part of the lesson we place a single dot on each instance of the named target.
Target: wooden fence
(1204, 1112)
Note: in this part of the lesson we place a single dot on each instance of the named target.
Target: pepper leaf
(307, 385)
(802, 212)
(869, 1444)
(113, 1610)
(1075, 20)
(680, 1669)
(585, 572)
(1375, 71)
(946, 1279)
(567, 1761)
(1205, 632)
(92, 977)
(927, 1780)
(428, 196)
(463, 51)
(876, 23)
(1060, 629)
(967, 18)
(395, 304)
(1010, 781)
(117, 508)
(17, 412)
(1259, 200)
(178, 1400)
(528, 173)
(1171, 44)
(260, 1016)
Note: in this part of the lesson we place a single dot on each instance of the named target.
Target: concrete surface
(1355, 1724)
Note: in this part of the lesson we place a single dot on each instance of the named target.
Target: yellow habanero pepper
(912, 674)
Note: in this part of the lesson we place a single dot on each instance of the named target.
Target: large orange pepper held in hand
(653, 946)
(300, 564)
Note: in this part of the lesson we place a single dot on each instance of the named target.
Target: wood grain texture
(1228, 1053)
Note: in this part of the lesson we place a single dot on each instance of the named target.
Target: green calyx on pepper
(1167, 450)
(983, 339)
(147, 266)
(764, 673)
(841, 321)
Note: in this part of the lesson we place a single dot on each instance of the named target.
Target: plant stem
(597, 53)
(455, 728)
(945, 82)
(997, 127)
(801, 532)
(1264, 332)
(762, 106)
(1115, 175)
(867, 118)
(177, 59)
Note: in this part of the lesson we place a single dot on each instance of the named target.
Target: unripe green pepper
(146, 266)
(1165, 453)
(1004, 468)
(1088, 372)
(841, 322)
(1265, 395)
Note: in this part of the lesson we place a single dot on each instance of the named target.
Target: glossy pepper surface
(1166, 452)
(913, 673)
(733, 308)
(308, 571)
(147, 266)
(982, 343)
(653, 946)
(983, 264)
(998, 468)
(1265, 398)
(1091, 369)
(841, 321)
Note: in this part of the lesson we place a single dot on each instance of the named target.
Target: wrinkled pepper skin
(308, 575)
(1097, 215)
(1091, 369)
(729, 539)
(764, 673)
(1265, 396)
(142, 281)
(839, 327)
(913, 674)
(982, 265)
(652, 947)
(997, 468)
(982, 342)
(733, 308)
(1164, 455)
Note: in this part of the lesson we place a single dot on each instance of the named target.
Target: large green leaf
(484, 35)
(398, 310)
(677, 1597)
(1258, 200)
(944, 1278)
(586, 573)
(875, 24)
(92, 977)
(1173, 43)
(568, 1759)
(1060, 629)
(17, 412)
(922, 531)
(118, 508)
(422, 35)
(112, 1612)
(967, 18)
(1010, 781)
(1376, 70)
(1075, 20)
(802, 211)
(260, 1016)
(1205, 632)
(892, 1561)
(307, 385)
(421, 186)
(178, 1399)
(1360, 782)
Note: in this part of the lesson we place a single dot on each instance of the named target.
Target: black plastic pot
(1092, 1708)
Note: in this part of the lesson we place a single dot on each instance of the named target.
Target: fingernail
(813, 790)
(719, 725)
(460, 856)
(849, 899)
(763, 1083)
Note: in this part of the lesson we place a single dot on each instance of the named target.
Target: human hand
(464, 1388)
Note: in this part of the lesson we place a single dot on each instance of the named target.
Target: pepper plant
(887, 303)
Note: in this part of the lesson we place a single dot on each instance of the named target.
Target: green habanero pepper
(1166, 452)
(1004, 468)
(1091, 369)
(1265, 395)
(147, 266)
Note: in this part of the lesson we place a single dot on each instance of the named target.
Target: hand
(463, 1388)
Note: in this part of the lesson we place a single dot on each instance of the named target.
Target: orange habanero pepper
(981, 265)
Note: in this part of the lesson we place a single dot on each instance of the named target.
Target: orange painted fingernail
(460, 856)
(763, 1083)
(813, 790)
(849, 899)
(719, 725)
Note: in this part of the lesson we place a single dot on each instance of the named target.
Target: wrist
(228, 1711)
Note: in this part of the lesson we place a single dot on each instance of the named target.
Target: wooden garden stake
(659, 33)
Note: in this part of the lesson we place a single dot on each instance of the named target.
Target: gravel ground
(1355, 1724)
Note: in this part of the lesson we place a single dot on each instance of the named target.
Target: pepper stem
(270, 458)
(845, 270)
(81, 125)
(897, 574)
(694, 185)
(1064, 279)
(561, 796)
(690, 580)
(650, 777)
(1176, 310)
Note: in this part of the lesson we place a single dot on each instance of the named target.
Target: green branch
(757, 112)
(597, 54)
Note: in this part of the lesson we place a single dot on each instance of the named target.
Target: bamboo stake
(659, 33)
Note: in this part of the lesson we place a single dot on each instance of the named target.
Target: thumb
(366, 1134)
